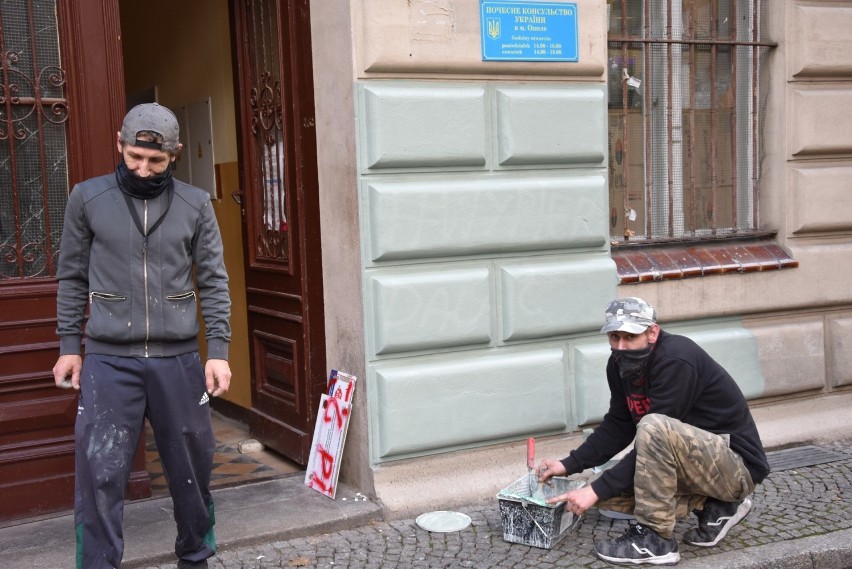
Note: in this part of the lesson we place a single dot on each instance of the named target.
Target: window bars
(685, 102)
(33, 152)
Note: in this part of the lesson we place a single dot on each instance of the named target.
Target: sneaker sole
(667, 559)
(741, 513)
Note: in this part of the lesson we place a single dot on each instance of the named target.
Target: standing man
(132, 242)
(696, 446)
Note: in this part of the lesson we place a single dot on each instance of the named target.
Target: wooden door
(280, 204)
(61, 99)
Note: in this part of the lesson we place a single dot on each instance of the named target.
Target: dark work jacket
(683, 382)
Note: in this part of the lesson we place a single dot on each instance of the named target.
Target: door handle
(238, 197)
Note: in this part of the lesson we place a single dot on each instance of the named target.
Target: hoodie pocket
(109, 317)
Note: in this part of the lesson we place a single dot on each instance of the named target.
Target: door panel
(61, 93)
(280, 201)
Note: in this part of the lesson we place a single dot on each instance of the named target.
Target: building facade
(449, 228)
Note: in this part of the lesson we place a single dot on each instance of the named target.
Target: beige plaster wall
(442, 38)
(800, 317)
(332, 53)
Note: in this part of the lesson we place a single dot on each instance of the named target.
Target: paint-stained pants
(116, 393)
(678, 467)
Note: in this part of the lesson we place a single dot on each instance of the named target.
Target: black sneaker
(184, 564)
(638, 545)
(715, 520)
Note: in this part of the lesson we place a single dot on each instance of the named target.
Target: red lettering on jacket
(639, 404)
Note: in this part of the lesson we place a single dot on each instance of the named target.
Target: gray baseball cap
(151, 117)
(631, 314)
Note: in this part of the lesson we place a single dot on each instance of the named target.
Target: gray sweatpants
(116, 394)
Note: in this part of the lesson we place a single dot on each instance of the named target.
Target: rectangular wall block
(792, 356)
(422, 310)
(551, 297)
(823, 44)
(821, 199)
(840, 340)
(817, 129)
(475, 216)
(588, 367)
(467, 399)
(551, 126)
(417, 125)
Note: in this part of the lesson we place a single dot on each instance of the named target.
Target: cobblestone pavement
(790, 504)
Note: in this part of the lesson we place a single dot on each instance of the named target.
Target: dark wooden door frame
(36, 418)
(284, 300)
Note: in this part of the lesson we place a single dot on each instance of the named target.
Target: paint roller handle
(531, 453)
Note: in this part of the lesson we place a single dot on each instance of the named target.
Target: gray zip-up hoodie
(142, 300)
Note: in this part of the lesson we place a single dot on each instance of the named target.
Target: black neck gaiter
(631, 363)
(143, 188)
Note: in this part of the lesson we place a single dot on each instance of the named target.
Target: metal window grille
(267, 122)
(685, 102)
(33, 157)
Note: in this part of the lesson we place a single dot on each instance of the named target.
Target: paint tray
(528, 519)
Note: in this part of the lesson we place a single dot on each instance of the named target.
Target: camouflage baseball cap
(154, 118)
(630, 314)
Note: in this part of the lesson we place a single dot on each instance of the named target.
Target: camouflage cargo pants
(677, 467)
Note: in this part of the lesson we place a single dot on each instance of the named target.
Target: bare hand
(577, 501)
(66, 372)
(218, 376)
(549, 468)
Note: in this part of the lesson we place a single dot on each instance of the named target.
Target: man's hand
(68, 365)
(218, 375)
(549, 468)
(577, 501)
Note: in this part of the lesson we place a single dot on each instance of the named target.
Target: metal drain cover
(800, 457)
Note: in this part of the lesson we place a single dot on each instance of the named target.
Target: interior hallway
(230, 467)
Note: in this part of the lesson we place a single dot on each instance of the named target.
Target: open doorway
(231, 466)
(262, 148)
(179, 54)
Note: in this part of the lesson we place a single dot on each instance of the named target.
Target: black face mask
(631, 363)
(143, 188)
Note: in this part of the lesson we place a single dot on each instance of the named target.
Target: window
(685, 101)
(33, 159)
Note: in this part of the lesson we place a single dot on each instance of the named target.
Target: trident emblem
(493, 28)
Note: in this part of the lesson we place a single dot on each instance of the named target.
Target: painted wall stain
(431, 20)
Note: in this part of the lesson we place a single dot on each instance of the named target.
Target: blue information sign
(529, 31)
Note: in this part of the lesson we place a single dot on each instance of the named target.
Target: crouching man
(696, 447)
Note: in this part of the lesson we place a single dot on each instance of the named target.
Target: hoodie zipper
(145, 274)
(145, 232)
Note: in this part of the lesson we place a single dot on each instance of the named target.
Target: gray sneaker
(639, 545)
(715, 521)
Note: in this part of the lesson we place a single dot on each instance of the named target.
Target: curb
(828, 551)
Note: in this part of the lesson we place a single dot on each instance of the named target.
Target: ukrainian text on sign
(529, 31)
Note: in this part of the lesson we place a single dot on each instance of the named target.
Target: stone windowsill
(648, 263)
